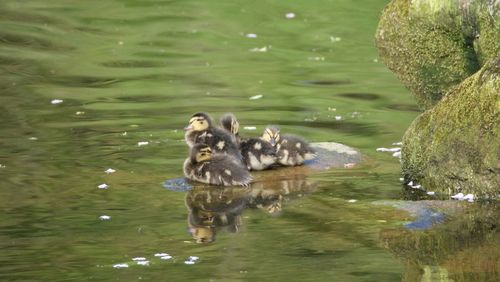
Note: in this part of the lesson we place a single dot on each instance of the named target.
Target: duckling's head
(229, 122)
(271, 134)
(200, 153)
(199, 122)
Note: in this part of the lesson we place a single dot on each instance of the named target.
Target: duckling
(201, 130)
(291, 150)
(257, 153)
(215, 168)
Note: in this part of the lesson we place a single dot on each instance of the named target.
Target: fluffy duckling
(291, 150)
(216, 169)
(201, 130)
(257, 153)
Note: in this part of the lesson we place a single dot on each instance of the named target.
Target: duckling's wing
(227, 170)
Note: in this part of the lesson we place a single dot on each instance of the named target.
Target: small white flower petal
(290, 15)
(138, 258)
(56, 101)
(166, 257)
(105, 217)
(103, 186)
(189, 262)
(143, 262)
(110, 170)
(256, 97)
(142, 143)
(120, 265)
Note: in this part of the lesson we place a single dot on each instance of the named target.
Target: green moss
(454, 146)
(430, 44)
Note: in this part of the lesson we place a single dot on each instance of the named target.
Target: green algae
(434, 45)
(454, 146)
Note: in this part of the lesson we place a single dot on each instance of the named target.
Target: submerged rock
(454, 147)
(433, 45)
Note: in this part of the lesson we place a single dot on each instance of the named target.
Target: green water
(132, 71)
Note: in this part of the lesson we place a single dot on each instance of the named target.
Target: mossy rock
(455, 147)
(433, 45)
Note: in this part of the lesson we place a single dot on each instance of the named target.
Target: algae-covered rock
(455, 146)
(433, 45)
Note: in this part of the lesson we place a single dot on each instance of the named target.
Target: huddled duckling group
(219, 156)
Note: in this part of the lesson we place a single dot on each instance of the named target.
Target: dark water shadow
(463, 248)
(322, 83)
(133, 64)
(33, 42)
(404, 107)
(360, 96)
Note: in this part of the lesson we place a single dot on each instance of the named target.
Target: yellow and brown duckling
(257, 153)
(215, 168)
(291, 150)
(201, 130)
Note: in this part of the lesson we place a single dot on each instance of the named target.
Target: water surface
(134, 71)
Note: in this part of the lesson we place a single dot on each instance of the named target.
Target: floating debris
(330, 109)
(33, 138)
(397, 144)
(2, 166)
(138, 258)
(251, 35)
(110, 170)
(459, 196)
(161, 254)
(193, 258)
(397, 154)
(120, 265)
(388, 149)
(143, 262)
(338, 117)
(401, 179)
(257, 49)
(250, 128)
(142, 143)
(469, 197)
(352, 201)
(105, 217)
(319, 58)
(56, 101)
(189, 262)
(290, 15)
(256, 97)
(335, 39)
(124, 133)
(167, 257)
(103, 186)
(431, 193)
(80, 113)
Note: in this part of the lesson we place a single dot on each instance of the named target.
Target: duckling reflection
(270, 194)
(213, 208)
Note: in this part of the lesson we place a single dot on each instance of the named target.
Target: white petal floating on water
(142, 143)
(143, 262)
(290, 15)
(397, 144)
(103, 186)
(257, 49)
(469, 197)
(459, 196)
(256, 97)
(251, 35)
(431, 193)
(397, 154)
(338, 117)
(167, 257)
(189, 262)
(138, 258)
(105, 217)
(2, 166)
(124, 133)
(80, 113)
(250, 128)
(335, 39)
(120, 265)
(110, 170)
(396, 149)
(56, 101)
(193, 258)
(352, 201)
(401, 179)
(33, 138)
(161, 254)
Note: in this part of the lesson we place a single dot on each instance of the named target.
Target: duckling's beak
(189, 127)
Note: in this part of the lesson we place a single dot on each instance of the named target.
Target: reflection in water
(471, 254)
(212, 208)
